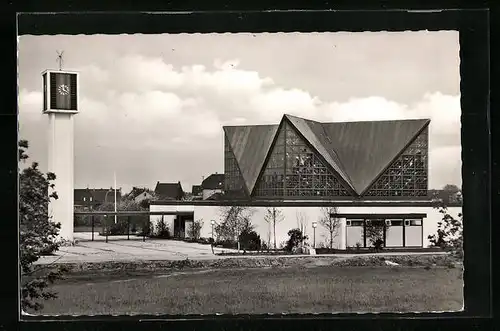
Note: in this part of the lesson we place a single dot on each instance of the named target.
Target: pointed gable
(315, 135)
(366, 149)
(250, 145)
(294, 168)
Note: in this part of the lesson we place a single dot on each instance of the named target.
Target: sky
(152, 107)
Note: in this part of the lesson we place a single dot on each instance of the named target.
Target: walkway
(156, 249)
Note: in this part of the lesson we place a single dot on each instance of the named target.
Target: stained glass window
(295, 170)
(407, 176)
(232, 176)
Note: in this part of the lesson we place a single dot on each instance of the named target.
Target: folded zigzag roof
(358, 151)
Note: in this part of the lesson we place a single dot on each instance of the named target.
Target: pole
(314, 236)
(213, 239)
(92, 219)
(106, 226)
(128, 227)
(114, 175)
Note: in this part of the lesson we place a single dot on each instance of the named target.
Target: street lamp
(106, 199)
(213, 240)
(314, 224)
(213, 223)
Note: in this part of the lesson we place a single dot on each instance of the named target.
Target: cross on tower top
(60, 59)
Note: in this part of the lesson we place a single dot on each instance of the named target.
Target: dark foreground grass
(268, 290)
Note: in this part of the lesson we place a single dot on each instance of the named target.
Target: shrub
(295, 238)
(118, 228)
(449, 234)
(195, 229)
(227, 244)
(162, 231)
(249, 240)
(147, 229)
(204, 241)
(37, 233)
(375, 233)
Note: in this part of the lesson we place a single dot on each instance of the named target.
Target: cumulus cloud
(175, 114)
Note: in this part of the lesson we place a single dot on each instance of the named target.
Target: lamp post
(314, 225)
(213, 240)
(213, 223)
(106, 199)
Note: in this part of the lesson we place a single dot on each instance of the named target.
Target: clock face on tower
(63, 89)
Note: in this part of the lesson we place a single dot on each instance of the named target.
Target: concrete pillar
(342, 233)
(61, 163)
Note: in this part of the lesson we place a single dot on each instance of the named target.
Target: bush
(249, 240)
(118, 228)
(204, 241)
(449, 235)
(295, 239)
(147, 229)
(37, 233)
(162, 231)
(232, 244)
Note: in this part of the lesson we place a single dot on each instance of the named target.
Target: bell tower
(60, 104)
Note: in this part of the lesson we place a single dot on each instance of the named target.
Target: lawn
(267, 290)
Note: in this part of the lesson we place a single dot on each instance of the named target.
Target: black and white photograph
(240, 173)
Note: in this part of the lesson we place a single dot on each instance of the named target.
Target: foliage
(250, 240)
(161, 230)
(331, 224)
(235, 219)
(118, 228)
(302, 222)
(227, 243)
(296, 237)
(449, 233)
(147, 228)
(375, 234)
(273, 216)
(195, 231)
(451, 188)
(37, 233)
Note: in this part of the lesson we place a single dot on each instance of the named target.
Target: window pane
(407, 176)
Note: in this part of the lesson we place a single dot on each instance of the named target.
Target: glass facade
(233, 180)
(294, 170)
(407, 176)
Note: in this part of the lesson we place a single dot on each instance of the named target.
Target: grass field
(267, 290)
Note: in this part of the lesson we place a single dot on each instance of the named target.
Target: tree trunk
(274, 233)
(331, 239)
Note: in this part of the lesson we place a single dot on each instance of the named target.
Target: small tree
(331, 224)
(235, 219)
(274, 216)
(196, 229)
(162, 230)
(375, 233)
(295, 238)
(302, 223)
(37, 233)
(450, 232)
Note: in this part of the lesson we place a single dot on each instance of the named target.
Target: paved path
(151, 249)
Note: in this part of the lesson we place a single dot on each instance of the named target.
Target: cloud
(175, 115)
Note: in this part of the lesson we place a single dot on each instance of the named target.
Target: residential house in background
(197, 192)
(213, 184)
(89, 199)
(169, 191)
(449, 198)
(139, 194)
